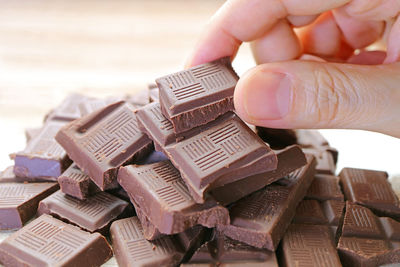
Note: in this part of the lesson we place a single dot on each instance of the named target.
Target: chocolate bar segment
(160, 193)
(19, 202)
(289, 159)
(262, 218)
(47, 241)
(325, 187)
(43, 158)
(76, 183)
(68, 110)
(101, 142)
(94, 214)
(308, 245)
(368, 240)
(370, 189)
(198, 95)
(132, 249)
(92, 105)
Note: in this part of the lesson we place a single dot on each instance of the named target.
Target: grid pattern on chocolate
(14, 194)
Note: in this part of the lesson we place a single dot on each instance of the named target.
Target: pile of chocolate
(173, 176)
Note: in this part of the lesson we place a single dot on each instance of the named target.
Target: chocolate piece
(92, 105)
(289, 159)
(225, 152)
(325, 162)
(102, 141)
(140, 98)
(49, 242)
(76, 183)
(277, 138)
(314, 139)
(368, 240)
(370, 189)
(8, 176)
(94, 214)
(192, 239)
(43, 157)
(198, 95)
(262, 218)
(325, 187)
(308, 245)
(150, 231)
(132, 249)
(31, 133)
(68, 110)
(154, 94)
(19, 202)
(160, 193)
(223, 251)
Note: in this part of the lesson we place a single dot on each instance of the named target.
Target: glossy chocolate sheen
(225, 152)
(68, 110)
(262, 218)
(370, 189)
(132, 249)
(325, 160)
(92, 105)
(289, 159)
(368, 240)
(160, 193)
(102, 141)
(325, 187)
(198, 95)
(43, 158)
(19, 202)
(76, 183)
(47, 241)
(308, 245)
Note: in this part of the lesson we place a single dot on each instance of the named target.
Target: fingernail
(267, 96)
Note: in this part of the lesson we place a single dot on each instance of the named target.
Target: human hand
(309, 92)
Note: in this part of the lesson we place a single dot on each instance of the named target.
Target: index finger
(240, 21)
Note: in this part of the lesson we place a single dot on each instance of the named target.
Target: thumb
(305, 94)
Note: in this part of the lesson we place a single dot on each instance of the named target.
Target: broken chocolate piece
(102, 141)
(325, 161)
(160, 193)
(277, 138)
(198, 95)
(47, 241)
(92, 105)
(325, 187)
(68, 110)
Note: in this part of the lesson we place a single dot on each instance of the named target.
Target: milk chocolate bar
(163, 197)
(308, 245)
(19, 202)
(102, 141)
(289, 159)
(94, 214)
(43, 158)
(68, 110)
(198, 95)
(262, 218)
(368, 240)
(76, 183)
(47, 241)
(92, 105)
(132, 249)
(370, 189)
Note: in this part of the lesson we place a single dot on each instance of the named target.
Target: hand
(310, 92)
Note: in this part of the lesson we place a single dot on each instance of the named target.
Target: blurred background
(49, 49)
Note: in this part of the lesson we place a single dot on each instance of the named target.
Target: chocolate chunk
(370, 189)
(160, 193)
(154, 94)
(132, 249)
(68, 110)
(368, 240)
(325, 161)
(325, 187)
(140, 98)
(277, 138)
(262, 218)
(198, 95)
(43, 157)
(8, 176)
(49, 242)
(289, 159)
(94, 214)
(308, 245)
(31, 133)
(92, 105)
(101, 142)
(315, 140)
(150, 231)
(76, 183)
(19, 202)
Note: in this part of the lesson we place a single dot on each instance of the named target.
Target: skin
(308, 74)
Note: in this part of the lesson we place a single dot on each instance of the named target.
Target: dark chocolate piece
(370, 189)
(43, 158)
(49, 242)
(68, 110)
(92, 105)
(94, 214)
(289, 159)
(325, 187)
(224, 153)
(132, 249)
(31, 133)
(277, 138)
(8, 176)
(76, 183)
(314, 139)
(102, 141)
(159, 191)
(308, 245)
(198, 95)
(325, 161)
(150, 231)
(154, 94)
(368, 240)
(19, 202)
(262, 218)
